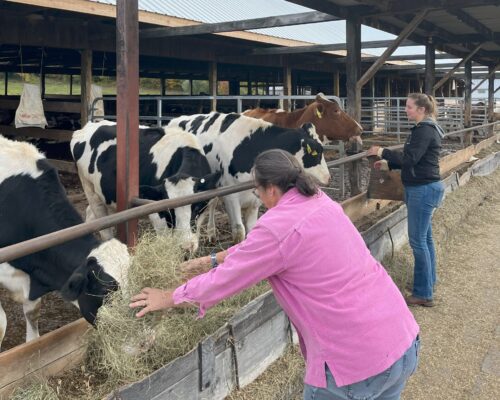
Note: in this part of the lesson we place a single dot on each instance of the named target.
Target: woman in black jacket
(419, 164)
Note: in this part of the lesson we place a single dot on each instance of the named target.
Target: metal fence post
(399, 122)
(158, 112)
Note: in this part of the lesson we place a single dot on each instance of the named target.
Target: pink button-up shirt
(348, 312)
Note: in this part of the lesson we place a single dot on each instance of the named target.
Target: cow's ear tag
(318, 113)
(314, 153)
(202, 180)
(309, 150)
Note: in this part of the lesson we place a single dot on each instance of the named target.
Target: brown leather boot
(417, 301)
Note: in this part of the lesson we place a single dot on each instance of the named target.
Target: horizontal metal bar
(34, 245)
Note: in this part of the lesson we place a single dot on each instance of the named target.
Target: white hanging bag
(30, 110)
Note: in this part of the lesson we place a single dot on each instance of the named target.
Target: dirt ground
(460, 354)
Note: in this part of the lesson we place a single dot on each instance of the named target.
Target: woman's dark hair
(427, 102)
(278, 167)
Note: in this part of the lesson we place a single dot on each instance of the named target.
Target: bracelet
(213, 259)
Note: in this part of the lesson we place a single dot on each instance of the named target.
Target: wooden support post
(42, 83)
(491, 98)
(336, 83)
(287, 87)
(353, 69)
(85, 84)
(127, 106)
(468, 102)
(6, 82)
(430, 65)
(71, 85)
(452, 71)
(163, 86)
(212, 84)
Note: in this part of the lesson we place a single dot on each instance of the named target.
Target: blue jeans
(420, 202)
(387, 385)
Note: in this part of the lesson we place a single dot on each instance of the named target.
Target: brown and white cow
(330, 120)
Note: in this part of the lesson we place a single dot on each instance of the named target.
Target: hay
(125, 349)
(37, 390)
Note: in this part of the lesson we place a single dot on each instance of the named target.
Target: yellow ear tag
(314, 153)
(318, 113)
(309, 150)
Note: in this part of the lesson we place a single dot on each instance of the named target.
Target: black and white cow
(170, 166)
(34, 203)
(232, 142)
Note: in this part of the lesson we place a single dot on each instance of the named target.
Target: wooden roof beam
(411, 6)
(475, 37)
(467, 19)
(325, 47)
(343, 12)
(461, 63)
(231, 26)
(383, 58)
(458, 50)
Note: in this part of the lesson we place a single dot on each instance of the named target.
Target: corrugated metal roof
(233, 10)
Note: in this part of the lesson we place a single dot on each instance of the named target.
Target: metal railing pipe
(34, 245)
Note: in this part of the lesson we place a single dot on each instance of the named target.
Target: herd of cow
(192, 154)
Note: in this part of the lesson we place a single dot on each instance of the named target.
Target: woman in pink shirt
(358, 338)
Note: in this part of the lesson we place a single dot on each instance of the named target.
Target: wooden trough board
(48, 355)
(231, 357)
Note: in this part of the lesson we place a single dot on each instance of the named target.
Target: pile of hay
(123, 348)
(37, 390)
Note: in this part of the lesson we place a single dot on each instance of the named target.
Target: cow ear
(78, 282)
(207, 182)
(151, 192)
(309, 129)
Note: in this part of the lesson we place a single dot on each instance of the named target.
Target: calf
(34, 203)
(330, 120)
(232, 142)
(170, 165)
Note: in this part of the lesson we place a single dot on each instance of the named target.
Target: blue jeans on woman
(421, 201)
(387, 385)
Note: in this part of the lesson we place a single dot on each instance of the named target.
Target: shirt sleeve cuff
(380, 151)
(180, 296)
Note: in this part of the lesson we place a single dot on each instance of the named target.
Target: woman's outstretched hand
(152, 300)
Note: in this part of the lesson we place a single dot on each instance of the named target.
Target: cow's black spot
(78, 150)
(106, 165)
(310, 147)
(183, 124)
(210, 122)
(230, 118)
(33, 207)
(260, 140)
(101, 135)
(207, 148)
(195, 125)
